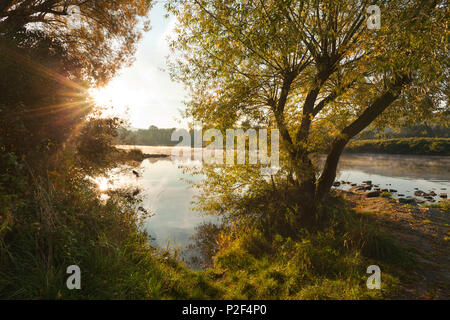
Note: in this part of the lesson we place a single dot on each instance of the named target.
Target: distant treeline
(153, 136)
(413, 146)
(420, 139)
(418, 131)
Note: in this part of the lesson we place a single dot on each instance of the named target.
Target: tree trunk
(326, 180)
(329, 171)
(305, 186)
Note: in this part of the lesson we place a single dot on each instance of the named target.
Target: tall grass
(325, 263)
(57, 221)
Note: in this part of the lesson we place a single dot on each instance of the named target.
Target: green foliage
(41, 105)
(326, 264)
(414, 146)
(94, 143)
(51, 223)
(313, 70)
(12, 183)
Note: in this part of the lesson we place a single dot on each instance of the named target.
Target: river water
(169, 196)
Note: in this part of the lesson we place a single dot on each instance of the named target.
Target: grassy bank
(330, 263)
(49, 223)
(412, 146)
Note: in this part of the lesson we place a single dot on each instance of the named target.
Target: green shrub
(326, 263)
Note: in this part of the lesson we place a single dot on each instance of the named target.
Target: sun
(123, 99)
(101, 97)
(108, 96)
(112, 101)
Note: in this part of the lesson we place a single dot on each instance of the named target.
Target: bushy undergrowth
(48, 224)
(326, 263)
(266, 247)
(414, 146)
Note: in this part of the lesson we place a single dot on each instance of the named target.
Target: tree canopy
(104, 40)
(311, 69)
(47, 66)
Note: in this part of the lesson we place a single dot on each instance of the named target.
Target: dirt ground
(424, 232)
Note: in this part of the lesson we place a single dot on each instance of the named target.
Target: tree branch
(374, 110)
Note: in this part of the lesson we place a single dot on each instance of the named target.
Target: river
(169, 196)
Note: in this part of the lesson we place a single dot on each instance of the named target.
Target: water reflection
(169, 196)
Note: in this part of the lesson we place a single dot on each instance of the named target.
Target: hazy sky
(144, 88)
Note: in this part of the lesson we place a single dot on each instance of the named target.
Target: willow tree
(100, 34)
(312, 69)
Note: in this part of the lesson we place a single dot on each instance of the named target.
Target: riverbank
(406, 146)
(371, 190)
(409, 244)
(105, 240)
(251, 261)
(424, 232)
